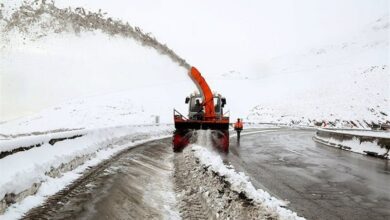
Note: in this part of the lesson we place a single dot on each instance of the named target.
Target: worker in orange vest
(238, 128)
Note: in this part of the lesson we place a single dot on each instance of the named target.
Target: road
(132, 185)
(320, 182)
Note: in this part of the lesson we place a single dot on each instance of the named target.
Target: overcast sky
(216, 36)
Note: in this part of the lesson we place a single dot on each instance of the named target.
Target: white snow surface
(348, 81)
(20, 170)
(9, 144)
(51, 186)
(122, 86)
(356, 145)
(339, 82)
(378, 134)
(240, 183)
(100, 111)
(134, 83)
(359, 147)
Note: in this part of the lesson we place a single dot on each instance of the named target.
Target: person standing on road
(238, 128)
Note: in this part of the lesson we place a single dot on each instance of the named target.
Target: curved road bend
(132, 185)
(321, 182)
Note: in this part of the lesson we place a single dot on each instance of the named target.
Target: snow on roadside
(29, 140)
(240, 183)
(368, 133)
(46, 165)
(362, 142)
(344, 85)
(360, 147)
(54, 185)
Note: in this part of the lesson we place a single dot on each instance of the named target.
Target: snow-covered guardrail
(372, 143)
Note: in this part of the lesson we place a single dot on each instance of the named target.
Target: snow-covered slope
(50, 55)
(93, 112)
(61, 54)
(347, 84)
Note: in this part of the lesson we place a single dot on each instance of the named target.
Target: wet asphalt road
(132, 185)
(321, 182)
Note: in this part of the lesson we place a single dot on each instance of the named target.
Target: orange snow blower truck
(205, 113)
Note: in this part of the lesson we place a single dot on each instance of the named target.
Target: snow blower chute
(205, 113)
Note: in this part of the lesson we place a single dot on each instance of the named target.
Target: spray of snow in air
(50, 19)
(204, 138)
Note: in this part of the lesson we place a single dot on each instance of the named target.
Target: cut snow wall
(370, 143)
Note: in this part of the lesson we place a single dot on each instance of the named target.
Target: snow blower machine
(205, 113)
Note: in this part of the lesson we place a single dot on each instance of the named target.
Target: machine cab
(196, 107)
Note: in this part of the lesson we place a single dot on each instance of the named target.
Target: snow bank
(355, 132)
(241, 184)
(20, 171)
(11, 144)
(52, 185)
(363, 142)
(113, 109)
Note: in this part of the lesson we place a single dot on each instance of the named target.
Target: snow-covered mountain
(92, 112)
(51, 53)
(344, 84)
(74, 53)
